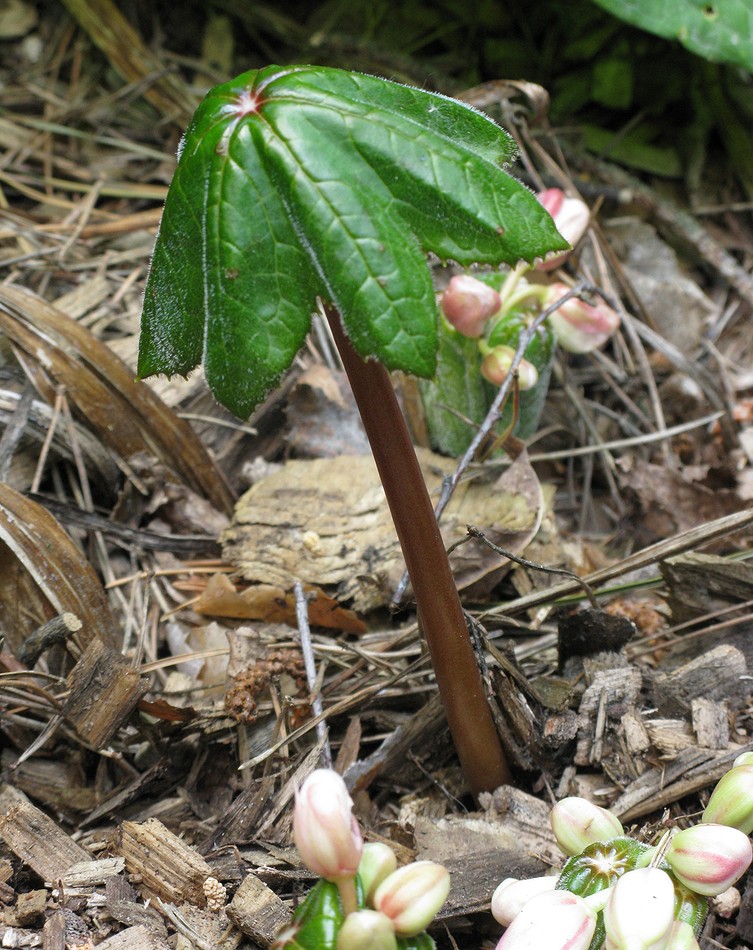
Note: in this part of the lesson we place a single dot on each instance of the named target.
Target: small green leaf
(718, 30)
(303, 181)
(319, 918)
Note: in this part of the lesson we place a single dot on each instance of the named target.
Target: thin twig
(474, 532)
(302, 618)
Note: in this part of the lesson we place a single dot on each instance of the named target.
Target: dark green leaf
(302, 181)
(719, 30)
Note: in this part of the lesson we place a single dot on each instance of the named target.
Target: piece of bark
(36, 839)
(30, 908)
(710, 723)
(258, 911)
(104, 690)
(477, 875)
(134, 938)
(717, 674)
(167, 865)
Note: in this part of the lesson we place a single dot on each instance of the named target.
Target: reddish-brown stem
(439, 611)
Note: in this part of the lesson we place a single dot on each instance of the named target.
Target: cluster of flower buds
(479, 309)
(363, 896)
(618, 893)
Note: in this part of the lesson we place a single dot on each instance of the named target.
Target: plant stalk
(440, 615)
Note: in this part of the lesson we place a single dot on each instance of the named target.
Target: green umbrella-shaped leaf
(304, 181)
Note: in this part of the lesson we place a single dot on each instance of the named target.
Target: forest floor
(165, 569)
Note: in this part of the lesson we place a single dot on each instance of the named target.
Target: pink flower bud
(366, 930)
(512, 895)
(577, 823)
(709, 858)
(468, 303)
(731, 802)
(412, 895)
(557, 920)
(578, 326)
(640, 911)
(681, 937)
(325, 832)
(496, 365)
(378, 861)
(571, 216)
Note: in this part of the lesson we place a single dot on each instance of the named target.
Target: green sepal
(690, 907)
(600, 865)
(540, 353)
(421, 941)
(457, 396)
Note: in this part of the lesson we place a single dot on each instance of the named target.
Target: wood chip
(167, 866)
(718, 675)
(710, 723)
(36, 839)
(104, 690)
(258, 911)
(692, 770)
(134, 938)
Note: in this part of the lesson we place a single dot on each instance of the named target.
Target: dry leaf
(272, 604)
(60, 570)
(56, 351)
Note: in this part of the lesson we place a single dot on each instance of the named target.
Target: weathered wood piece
(702, 583)
(122, 905)
(710, 723)
(134, 938)
(326, 521)
(479, 850)
(35, 838)
(104, 690)
(53, 932)
(692, 770)
(717, 674)
(670, 736)
(258, 911)
(521, 824)
(633, 729)
(611, 693)
(167, 865)
(90, 873)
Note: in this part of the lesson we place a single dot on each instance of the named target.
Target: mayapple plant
(618, 893)
(299, 184)
(363, 900)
